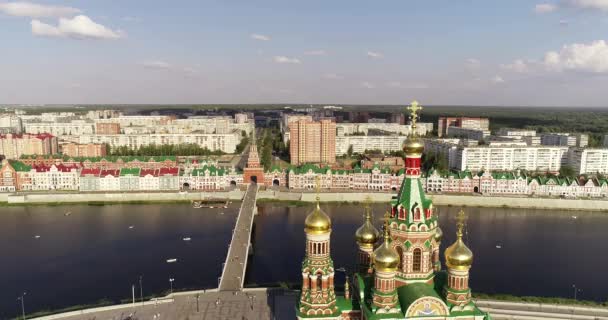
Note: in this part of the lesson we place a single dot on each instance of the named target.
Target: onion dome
(413, 146)
(317, 221)
(385, 257)
(367, 235)
(458, 256)
(438, 234)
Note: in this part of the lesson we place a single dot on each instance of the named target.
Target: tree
(567, 171)
(349, 152)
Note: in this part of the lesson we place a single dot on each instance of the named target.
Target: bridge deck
(233, 274)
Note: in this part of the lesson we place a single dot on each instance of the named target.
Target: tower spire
(413, 109)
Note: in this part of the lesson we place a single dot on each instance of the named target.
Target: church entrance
(254, 179)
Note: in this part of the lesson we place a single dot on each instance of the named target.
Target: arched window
(400, 253)
(319, 281)
(417, 260)
(417, 214)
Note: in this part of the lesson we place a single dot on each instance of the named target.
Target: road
(233, 272)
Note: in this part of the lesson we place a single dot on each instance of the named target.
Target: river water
(99, 252)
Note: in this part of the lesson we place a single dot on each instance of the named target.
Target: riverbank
(300, 199)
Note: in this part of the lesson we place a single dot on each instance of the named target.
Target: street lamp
(171, 284)
(141, 290)
(22, 299)
(576, 290)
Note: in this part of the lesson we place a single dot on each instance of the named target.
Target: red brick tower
(254, 171)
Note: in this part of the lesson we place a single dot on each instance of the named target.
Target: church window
(417, 214)
(417, 260)
(319, 281)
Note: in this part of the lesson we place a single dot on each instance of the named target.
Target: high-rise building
(12, 146)
(461, 122)
(312, 141)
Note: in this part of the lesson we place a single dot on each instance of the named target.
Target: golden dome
(317, 221)
(413, 146)
(385, 257)
(458, 256)
(367, 235)
(438, 234)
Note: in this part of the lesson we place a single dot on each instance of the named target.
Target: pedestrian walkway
(233, 272)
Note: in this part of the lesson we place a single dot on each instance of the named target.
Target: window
(319, 281)
(400, 253)
(417, 263)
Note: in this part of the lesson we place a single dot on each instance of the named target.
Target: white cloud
(79, 27)
(545, 8)
(518, 66)
(33, 10)
(592, 57)
(261, 37)
(315, 53)
(375, 55)
(498, 79)
(284, 59)
(401, 85)
(367, 85)
(333, 76)
(587, 4)
(473, 63)
(155, 64)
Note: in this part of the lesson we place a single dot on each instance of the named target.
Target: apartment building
(312, 141)
(564, 139)
(226, 142)
(107, 128)
(84, 150)
(588, 160)
(12, 146)
(514, 132)
(466, 133)
(362, 143)
(502, 157)
(74, 127)
(461, 122)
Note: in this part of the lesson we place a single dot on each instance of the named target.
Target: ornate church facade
(399, 273)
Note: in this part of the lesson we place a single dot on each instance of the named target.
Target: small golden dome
(458, 256)
(317, 221)
(438, 234)
(385, 257)
(413, 146)
(367, 235)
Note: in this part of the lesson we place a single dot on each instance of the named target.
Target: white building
(564, 139)
(74, 127)
(467, 133)
(513, 132)
(503, 157)
(362, 143)
(224, 142)
(589, 160)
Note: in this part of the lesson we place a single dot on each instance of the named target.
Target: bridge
(233, 272)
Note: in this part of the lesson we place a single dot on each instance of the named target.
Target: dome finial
(413, 108)
(387, 237)
(460, 221)
(317, 221)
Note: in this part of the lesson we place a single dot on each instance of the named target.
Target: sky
(468, 52)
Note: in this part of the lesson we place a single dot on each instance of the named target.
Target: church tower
(367, 235)
(318, 297)
(458, 258)
(386, 262)
(253, 172)
(413, 223)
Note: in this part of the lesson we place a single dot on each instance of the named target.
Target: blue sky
(508, 52)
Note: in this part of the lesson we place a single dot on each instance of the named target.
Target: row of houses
(19, 176)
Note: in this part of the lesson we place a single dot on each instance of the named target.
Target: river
(79, 254)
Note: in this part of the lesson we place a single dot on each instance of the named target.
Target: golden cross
(413, 108)
(460, 221)
(318, 187)
(387, 215)
(367, 206)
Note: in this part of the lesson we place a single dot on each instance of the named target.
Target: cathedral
(399, 273)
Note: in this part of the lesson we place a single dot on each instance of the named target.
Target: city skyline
(537, 53)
